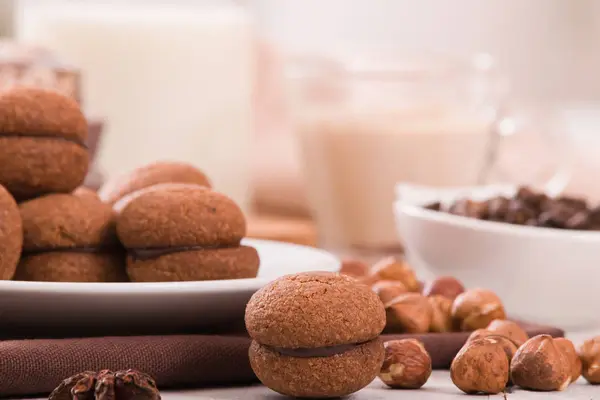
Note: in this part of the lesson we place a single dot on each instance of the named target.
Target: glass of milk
(366, 124)
(173, 79)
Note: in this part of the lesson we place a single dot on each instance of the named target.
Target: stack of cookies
(161, 222)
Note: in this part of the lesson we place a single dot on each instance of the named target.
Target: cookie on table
(179, 232)
(315, 335)
(42, 143)
(11, 235)
(70, 238)
(150, 175)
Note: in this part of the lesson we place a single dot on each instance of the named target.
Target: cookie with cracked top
(315, 335)
(42, 143)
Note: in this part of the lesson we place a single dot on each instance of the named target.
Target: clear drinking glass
(366, 124)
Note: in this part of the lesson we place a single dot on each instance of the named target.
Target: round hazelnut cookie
(180, 232)
(11, 235)
(315, 335)
(42, 143)
(150, 175)
(70, 238)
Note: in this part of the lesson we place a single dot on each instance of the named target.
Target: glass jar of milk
(174, 79)
(366, 124)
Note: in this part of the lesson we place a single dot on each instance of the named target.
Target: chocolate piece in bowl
(315, 335)
(11, 235)
(150, 175)
(528, 207)
(179, 232)
(70, 238)
(42, 143)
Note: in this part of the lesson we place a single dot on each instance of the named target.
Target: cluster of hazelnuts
(439, 306)
(502, 355)
(498, 352)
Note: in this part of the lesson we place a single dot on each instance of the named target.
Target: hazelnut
(441, 318)
(481, 366)
(354, 268)
(510, 329)
(479, 334)
(407, 364)
(540, 364)
(391, 269)
(446, 286)
(589, 352)
(388, 290)
(568, 348)
(409, 313)
(510, 347)
(475, 309)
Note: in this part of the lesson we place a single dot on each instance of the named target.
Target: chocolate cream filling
(150, 253)
(82, 249)
(63, 139)
(327, 351)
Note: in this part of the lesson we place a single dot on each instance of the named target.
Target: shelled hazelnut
(479, 334)
(409, 313)
(481, 366)
(589, 353)
(510, 329)
(569, 350)
(354, 268)
(407, 364)
(541, 365)
(475, 309)
(510, 347)
(446, 286)
(388, 290)
(441, 317)
(391, 269)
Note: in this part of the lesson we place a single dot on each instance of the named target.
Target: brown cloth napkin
(37, 366)
(29, 367)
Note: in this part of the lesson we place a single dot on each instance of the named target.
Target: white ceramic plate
(148, 307)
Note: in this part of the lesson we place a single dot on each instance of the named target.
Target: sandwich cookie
(70, 238)
(315, 335)
(42, 143)
(178, 232)
(150, 175)
(11, 235)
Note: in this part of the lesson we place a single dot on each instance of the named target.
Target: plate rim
(164, 288)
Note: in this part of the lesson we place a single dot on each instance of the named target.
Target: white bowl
(543, 275)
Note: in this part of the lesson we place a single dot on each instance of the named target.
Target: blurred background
(308, 112)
